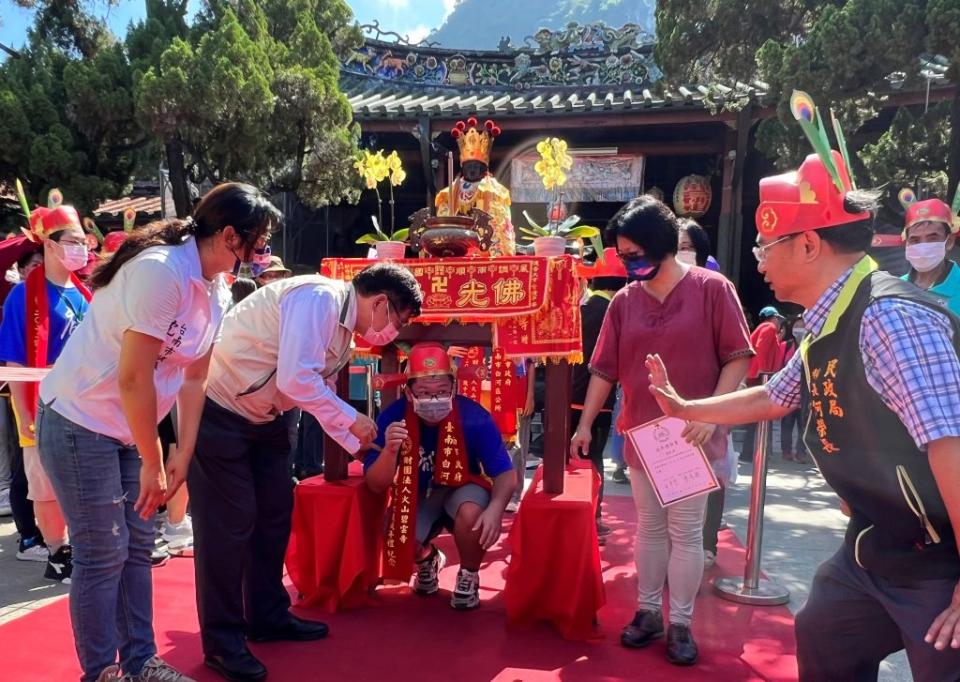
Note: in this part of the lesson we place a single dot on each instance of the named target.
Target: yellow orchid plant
(374, 168)
(552, 168)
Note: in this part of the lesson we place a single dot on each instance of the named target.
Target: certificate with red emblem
(677, 470)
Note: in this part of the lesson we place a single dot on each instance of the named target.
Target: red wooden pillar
(335, 458)
(556, 425)
(389, 364)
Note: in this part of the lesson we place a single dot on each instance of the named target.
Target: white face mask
(925, 257)
(687, 257)
(381, 337)
(73, 256)
(433, 410)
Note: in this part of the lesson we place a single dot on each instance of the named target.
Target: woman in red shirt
(692, 315)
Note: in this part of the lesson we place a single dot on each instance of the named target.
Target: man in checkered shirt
(880, 373)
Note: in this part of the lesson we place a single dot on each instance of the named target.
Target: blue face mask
(640, 268)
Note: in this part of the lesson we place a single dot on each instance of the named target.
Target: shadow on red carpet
(408, 637)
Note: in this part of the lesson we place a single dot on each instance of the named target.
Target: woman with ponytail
(144, 345)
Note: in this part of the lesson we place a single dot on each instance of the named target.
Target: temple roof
(575, 70)
(578, 70)
(374, 98)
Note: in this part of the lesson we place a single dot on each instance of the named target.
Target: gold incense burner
(451, 236)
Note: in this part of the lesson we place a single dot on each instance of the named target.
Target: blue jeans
(97, 482)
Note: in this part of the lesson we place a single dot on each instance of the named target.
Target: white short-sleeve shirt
(161, 292)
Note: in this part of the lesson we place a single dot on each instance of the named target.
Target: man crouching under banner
(464, 477)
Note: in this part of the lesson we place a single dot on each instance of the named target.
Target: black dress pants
(242, 499)
(21, 507)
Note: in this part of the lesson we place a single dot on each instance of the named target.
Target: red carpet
(408, 637)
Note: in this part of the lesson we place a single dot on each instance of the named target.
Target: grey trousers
(853, 620)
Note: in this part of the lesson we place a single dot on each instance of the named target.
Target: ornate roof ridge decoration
(593, 55)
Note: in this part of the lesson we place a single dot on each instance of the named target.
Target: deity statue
(476, 187)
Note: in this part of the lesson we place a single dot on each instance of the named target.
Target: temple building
(600, 90)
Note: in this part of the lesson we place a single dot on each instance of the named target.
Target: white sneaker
(512, 507)
(466, 593)
(35, 552)
(427, 578)
(709, 558)
(5, 508)
(179, 537)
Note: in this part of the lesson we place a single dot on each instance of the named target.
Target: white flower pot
(549, 246)
(391, 250)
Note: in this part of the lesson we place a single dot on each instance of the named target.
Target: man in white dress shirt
(281, 347)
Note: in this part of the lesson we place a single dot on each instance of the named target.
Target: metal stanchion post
(753, 589)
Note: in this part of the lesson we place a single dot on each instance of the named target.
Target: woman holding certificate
(692, 316)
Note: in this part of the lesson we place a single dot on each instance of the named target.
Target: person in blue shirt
(464, 477)
(39, 315)
(930, 233)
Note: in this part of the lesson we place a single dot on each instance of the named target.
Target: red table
(334, 553)
(554, 572)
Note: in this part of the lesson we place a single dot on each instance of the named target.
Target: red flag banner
(533, 303)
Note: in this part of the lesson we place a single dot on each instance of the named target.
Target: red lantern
(692, 196)
(558, 212)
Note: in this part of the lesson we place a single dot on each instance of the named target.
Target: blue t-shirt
(946, 291)
(486, 452)
(67, 307)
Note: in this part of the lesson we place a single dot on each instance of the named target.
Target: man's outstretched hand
(666, 396)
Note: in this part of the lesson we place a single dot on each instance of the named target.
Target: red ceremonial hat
(112, 242)
(610, 267)
(46, 221)
(804, 199)
(429, 359)
(932, 210)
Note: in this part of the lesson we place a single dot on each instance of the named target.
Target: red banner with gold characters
(503, 398)
(532, 302)
(553, 332)
(467, 289)
(472, 387)
(399, 545)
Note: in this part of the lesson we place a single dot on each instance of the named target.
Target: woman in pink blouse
(693, 317)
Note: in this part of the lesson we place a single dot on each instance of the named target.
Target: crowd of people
(188, 358)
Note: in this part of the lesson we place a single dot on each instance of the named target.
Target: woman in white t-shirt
(143, 345)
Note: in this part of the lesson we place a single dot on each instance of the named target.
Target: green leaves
(565, 229)
(839, 51)
(582, 232)
(379, 235)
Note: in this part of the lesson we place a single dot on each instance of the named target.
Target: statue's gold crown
(474, 142)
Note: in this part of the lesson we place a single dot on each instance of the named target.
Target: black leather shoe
(295, 630)
(645, 627)
(681, 649)
(240, 667)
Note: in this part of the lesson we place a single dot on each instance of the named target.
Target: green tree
(72, 25)
(67, 122)
(252, 93)
(841, 52)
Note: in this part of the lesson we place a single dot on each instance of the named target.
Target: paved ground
(803, 526)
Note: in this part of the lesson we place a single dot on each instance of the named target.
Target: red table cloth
(334, 553)
(554, 572)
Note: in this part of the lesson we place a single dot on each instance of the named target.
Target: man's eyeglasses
(760, 251)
